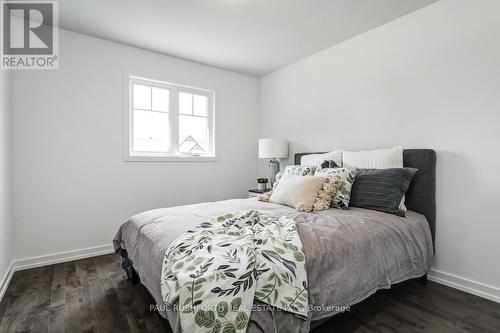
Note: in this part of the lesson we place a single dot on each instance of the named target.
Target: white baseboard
(55, 258)
(467, 285)
(4, 283)
(50, 259)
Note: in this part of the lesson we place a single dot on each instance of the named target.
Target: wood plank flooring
(92, 295)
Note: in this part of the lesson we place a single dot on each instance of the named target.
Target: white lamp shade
(273, 148)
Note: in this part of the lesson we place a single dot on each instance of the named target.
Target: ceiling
(248, 36)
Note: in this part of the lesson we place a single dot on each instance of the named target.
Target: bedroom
(339, 75)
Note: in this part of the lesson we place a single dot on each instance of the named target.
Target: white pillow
(317, 159)
(299, 192)
(374, 159)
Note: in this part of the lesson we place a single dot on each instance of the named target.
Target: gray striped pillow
(381, 189)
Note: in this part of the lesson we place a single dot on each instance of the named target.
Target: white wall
(430, 79)
(71, 187)
(5, 188)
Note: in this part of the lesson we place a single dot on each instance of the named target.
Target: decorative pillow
(381, 189)
(327, 164)
(376, 159)
(317, 159)
(325, 195)
(299, 170)
(278, 177)
(346, 177)
(304, 193)
(373, 159)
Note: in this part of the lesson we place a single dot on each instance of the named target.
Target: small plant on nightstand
(262, 184)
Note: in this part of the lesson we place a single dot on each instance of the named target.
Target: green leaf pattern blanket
(215, 271)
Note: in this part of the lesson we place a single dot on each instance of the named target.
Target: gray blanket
(350, 254)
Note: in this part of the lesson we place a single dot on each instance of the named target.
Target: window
(168, 122)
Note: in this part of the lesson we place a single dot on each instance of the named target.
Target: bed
(350, 254)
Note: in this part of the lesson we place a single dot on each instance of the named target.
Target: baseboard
(50, 259)
(4, 282)
(55, 258)
(469, 286)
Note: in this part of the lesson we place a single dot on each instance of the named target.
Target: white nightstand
(255, 192)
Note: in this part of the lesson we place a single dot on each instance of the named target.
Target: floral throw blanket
(215, 271)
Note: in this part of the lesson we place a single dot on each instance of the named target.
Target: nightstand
(255, 192)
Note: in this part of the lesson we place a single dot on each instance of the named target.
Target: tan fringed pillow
(304, 193)
(326, 194)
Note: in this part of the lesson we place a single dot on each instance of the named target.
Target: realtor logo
(29, 34)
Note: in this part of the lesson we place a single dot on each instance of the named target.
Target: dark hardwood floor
(91, 295)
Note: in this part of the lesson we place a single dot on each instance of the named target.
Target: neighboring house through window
(168, 122)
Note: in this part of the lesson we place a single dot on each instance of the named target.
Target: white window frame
(174, 155)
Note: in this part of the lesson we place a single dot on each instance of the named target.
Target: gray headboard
(421, 195)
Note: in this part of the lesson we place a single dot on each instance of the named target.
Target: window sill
(170, 159)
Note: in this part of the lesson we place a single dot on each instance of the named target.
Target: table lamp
(273, 149)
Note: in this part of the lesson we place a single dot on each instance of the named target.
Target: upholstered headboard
(421, 195)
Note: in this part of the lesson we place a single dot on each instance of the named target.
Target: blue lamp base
(274, 165)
